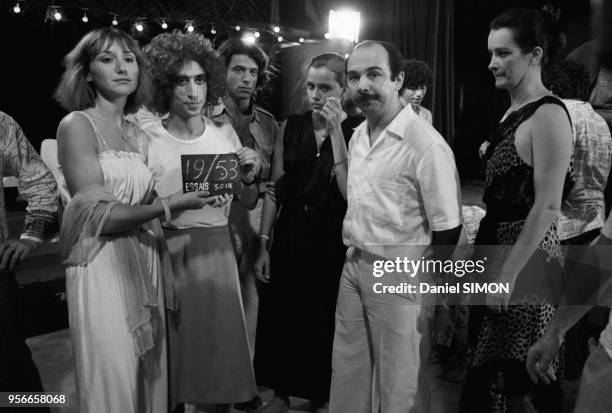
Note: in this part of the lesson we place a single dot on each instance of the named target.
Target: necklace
(121, 129)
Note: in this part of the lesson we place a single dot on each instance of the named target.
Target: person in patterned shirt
(36, 184)
(583, 213)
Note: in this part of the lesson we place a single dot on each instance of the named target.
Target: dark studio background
(449, 35)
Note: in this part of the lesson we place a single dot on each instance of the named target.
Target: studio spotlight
(248, 38)
(344, 24)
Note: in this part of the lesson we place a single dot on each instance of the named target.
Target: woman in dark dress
(301, 272)
(528, 172)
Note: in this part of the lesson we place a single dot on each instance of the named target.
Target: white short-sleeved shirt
(164, 160)
(400, 189)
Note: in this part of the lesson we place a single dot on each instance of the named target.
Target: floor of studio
(41, 280)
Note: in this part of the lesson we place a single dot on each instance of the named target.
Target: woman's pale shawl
(81, 241)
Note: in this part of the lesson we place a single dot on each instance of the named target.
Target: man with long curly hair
(210, 362)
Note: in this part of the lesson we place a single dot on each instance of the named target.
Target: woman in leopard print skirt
(528, 172)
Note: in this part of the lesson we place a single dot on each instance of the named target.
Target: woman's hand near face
(332, 112)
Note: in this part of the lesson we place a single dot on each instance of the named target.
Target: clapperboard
(218, 174)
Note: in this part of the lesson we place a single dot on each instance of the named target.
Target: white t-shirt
(164, 160)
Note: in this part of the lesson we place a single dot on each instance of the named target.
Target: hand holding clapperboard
(218, 174)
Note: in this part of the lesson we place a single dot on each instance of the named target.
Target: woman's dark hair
(332, 61)
(532, 28)
(166, 55)
(74, 92)
(417, 73)
(234, 46)
(567, 79)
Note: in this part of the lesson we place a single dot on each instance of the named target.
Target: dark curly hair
(74, 92)
(166, 55)
(417, 73)
(567, 79)
(234, 46)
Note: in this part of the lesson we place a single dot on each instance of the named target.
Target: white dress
(110, 376)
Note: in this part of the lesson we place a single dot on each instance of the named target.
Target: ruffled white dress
(110, 376)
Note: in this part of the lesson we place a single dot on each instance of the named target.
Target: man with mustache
(417, 78)
(403, 197)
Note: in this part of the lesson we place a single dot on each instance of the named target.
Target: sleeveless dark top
(309, 178)
(509, 192)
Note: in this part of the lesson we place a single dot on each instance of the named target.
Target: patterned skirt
(498, 342)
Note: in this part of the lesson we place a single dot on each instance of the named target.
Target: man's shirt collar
(222, 108)
(397, 127)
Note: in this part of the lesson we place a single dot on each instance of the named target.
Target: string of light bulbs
(59, 14)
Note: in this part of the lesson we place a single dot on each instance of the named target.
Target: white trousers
(381, 344)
